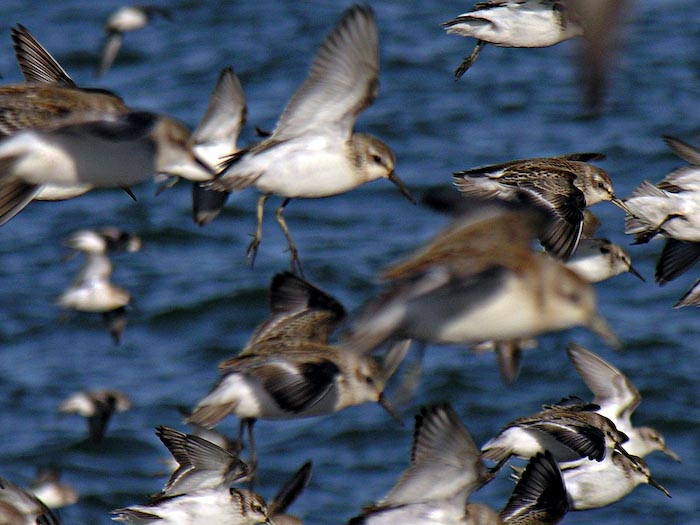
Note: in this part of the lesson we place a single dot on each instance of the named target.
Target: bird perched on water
(123, 20)
(563, 186)
(514, 23)
(313, 151)
(617, 398)
(477, 280)
(19, 507)
(289, 370)
(92, 290)
(97, 406)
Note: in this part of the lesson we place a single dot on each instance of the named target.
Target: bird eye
(376, 159)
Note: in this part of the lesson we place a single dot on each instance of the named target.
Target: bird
(97, 406)
(19, 507)
(445, 468)
(669, 209)
(204, 507)
(48, 487)
(563, 186)
(313, 151)
(215, 138)
(287, 494)
(202, 465)
(289, 370)
(592, 485)
(569, 432)
(617, 398)
(104, 150)
(514, 23)
(92, 290)
(599, 259)
(477, 280)
(124, 19)
(540, 497)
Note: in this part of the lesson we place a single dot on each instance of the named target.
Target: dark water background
(196, 300)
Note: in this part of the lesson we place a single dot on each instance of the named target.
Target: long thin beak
(659, 486)
(384, 402)
(600, 326)
(671, 453)
(634, 272)
(393, 177)
(621, 204)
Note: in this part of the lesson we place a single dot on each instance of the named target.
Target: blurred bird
(124, 19)
(92, 290)
(479, 279)
(97, 406)
(313, 151)
(19, 507)
(514, 23)
(617, 398)
(599, 259)
(215, 139)
(563, 186)
(48, 487)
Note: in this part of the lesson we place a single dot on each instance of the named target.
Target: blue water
(196, 300)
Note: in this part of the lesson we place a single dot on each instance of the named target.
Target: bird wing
(344, 80)
(35, 62)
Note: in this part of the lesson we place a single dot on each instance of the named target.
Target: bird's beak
(393, 177)
(634, 272)
(384, 402)
(600, 326)
(621, 204)
(659, 486)
(671, 453)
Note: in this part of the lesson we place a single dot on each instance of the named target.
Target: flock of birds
(517, 261)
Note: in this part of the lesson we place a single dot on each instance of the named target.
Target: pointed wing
(344, 80)
(217, 132)
(676, 258)
(613, 390)
(290, 490)
(35, 62)
(110, 48)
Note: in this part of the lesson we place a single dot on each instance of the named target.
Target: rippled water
(196, 301)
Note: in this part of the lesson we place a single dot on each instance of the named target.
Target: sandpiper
(599, 259)
(97, 406)
(313, 151)
(569, 432)
(479, 280)
(203, 507)
(288, 370)
(48, 487)
(17, 506)
(563, 186)
(514, 23)
(92, 290)
(215, 139)
(124, 19)
(591, 485)
(540, 497)
(445, 469)
(202, 465)
(617, 398)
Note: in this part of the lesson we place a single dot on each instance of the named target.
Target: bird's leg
(253, 461)
(293, 253)
(468, 61)
(252, 250)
